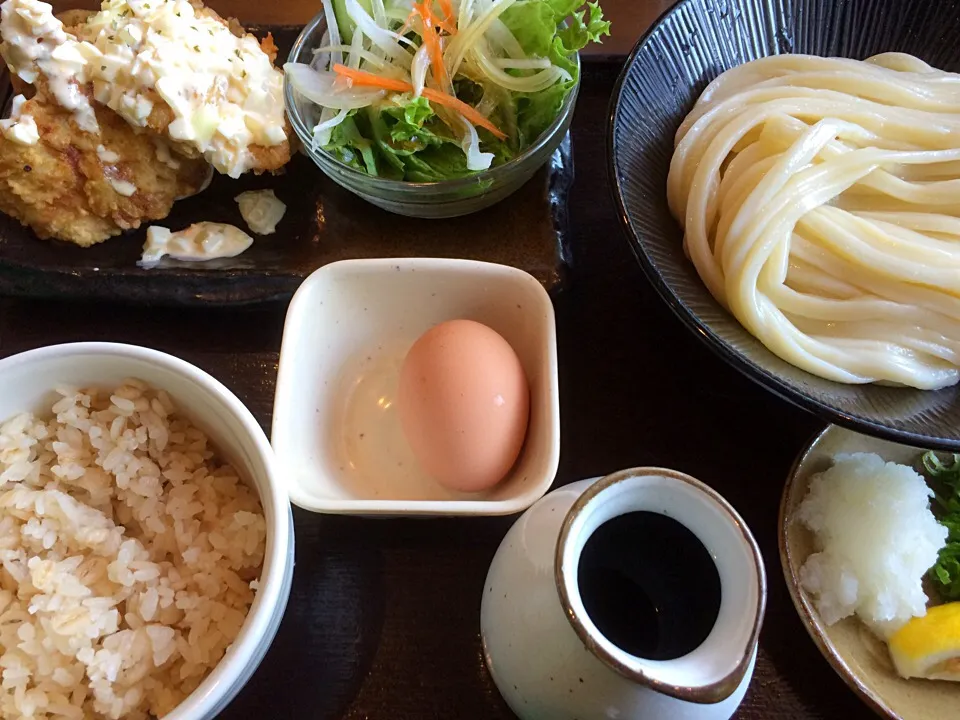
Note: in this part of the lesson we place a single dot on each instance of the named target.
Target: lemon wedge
(929, 646)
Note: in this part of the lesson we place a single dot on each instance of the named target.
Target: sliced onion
(333, 29)
(476, 160)
(318, 87)
(356, 49)
(418, 69)
(522, 64)
(324, 42)
(379, 13)
(499, 34)
(326, 115)
(399, 11)
(468, 37)
(445, 83)
(488, 103)
(386, 40)
(465, 16)
(531, 83)
(324, 129)
(379, 17)
(364, 55)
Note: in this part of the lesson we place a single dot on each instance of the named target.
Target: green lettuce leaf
(557, 29)
(390, 152)
(349, 146)
(444, 162)
(534, 25)
(537, 111)
(579, 32)
(413, 126)
(405, 141)
(552, 28)
(409, 117)
(563, 8)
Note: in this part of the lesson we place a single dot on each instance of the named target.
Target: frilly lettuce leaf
(407, 118)
(534, 25)
(349, 146)
(580, 32)
(556, 29)
(551, 28)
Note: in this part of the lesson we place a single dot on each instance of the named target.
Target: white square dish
(336, 432)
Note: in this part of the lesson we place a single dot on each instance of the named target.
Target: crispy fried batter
(73, 20)
(61, 187)
(270, 47)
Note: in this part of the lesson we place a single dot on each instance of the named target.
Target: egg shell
(464, 405)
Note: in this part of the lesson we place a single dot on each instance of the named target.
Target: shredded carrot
(446, 7)
(408, 23)
(470, 113)
(448, 22)
(432, 41)
(444, 25)
(362, 78)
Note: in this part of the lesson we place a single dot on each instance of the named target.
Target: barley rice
(129, 556)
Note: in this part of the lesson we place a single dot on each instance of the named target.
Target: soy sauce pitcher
(639, 595)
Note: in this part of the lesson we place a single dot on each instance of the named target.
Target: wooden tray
(323, 224)
(383, 619)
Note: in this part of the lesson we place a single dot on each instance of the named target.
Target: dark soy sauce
(649, 585)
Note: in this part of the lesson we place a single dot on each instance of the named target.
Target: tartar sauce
(200, 241)
(19, 127)
(119, 185)
(35, 44)
(261, 210)
(225, 94)
(107, 156)
(224, 91)
(164, 154)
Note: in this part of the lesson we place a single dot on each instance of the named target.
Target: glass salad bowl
(441, 199)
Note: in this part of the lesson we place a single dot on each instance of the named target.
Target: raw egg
(464, 405)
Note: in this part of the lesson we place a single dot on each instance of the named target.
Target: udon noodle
(820, 201)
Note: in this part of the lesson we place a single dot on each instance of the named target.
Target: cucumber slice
(344, 22)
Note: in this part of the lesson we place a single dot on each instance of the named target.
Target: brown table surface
(383, 620)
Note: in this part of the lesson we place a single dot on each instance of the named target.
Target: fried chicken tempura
(265, 158)
(215, 89)
(85, 188)
(129, 108)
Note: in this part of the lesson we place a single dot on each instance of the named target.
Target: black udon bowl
(668, 69)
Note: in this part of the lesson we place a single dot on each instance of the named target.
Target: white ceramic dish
(28, 380)
(853, 651)
(348, 328)
(531, 599)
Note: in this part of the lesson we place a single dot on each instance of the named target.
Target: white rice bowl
(129, 556)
